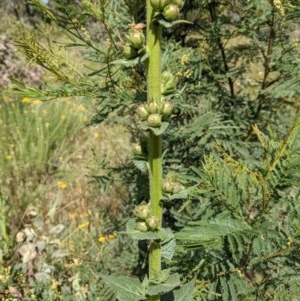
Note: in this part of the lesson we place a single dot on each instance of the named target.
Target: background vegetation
(68, 181)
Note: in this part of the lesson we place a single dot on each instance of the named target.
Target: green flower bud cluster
(155, 112)
(145, 220)
(136, 41)
(168, 83)
(169, 8)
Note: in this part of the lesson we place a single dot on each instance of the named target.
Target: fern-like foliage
(245, 228)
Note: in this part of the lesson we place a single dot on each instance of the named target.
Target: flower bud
(152, 222)
(142, 111)
(136, 39)
(179, 3)
(129, 51)
(153, 107)
(154, 120)
(168, 186)
(142, 211)
(158, 5)
(177, 187)
(142, 226)
(171, 12)
(137, 149)
(166, 109)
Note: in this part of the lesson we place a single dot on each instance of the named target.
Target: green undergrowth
(53, 219)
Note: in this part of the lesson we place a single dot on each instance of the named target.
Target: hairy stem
(154, 37)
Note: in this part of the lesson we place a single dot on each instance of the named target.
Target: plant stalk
(154, 39)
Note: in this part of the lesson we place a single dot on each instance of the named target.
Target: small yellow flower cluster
(62, 184)
(4, 274)
(84, 225)
(279, 6)
(108, 237)
(184, 59)
(28, 100)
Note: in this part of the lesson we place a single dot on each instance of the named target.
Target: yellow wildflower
(26, 100)
(61, 184)
(72, 214)
(83, 225)
(54, 284)
(62, 117)
(37, 102)
(47, 125)
(8, 157)
(102, 239)
(112, 236)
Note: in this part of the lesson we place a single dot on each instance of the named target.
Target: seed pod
(136, 39)
(158, 5)
(171, 12)
(142, 226)
(142, 211)
(152, 222)
(129, 51)
(166, 109)
(142, 111)
(154, 120)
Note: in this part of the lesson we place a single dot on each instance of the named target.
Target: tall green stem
(154, 37)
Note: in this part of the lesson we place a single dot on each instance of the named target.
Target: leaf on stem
(172, 282)
(125, 288)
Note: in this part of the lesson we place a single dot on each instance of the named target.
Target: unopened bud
(152, 222)
(142, 226)
(171, 12)
(154, 120)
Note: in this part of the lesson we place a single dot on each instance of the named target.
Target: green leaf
(185, 293)
(224, 289)
(168, 249)
(125, 288)
(168, 244)
(130, 62)
(156, 130)
(205, 233)
(167, 24)
(141, 165)
(172, 282)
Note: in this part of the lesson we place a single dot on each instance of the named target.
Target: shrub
(230, 145)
